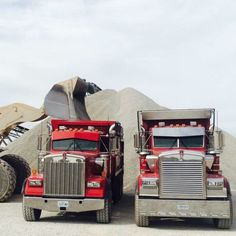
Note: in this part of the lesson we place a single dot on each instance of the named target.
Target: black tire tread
(21, 167)
(141, 221)
(31, 214)
(11, 175)
(104, 215)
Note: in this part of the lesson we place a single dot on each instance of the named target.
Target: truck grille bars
(182, 179)
(64, 178)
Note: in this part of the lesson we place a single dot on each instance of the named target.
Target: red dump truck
(83, 171)
(180, 173)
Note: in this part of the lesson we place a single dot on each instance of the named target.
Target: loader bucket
(66, 100)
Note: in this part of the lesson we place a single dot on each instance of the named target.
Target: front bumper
(183, 208)
(72, 205)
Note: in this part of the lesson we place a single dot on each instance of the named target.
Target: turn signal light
(34, 171)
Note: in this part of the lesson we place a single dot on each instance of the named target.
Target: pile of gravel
(121, 106)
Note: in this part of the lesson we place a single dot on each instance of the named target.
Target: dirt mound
(121, 106)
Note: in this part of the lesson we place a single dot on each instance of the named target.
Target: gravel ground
(12, 223)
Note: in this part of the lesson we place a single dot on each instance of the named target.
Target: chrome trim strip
(74, 205)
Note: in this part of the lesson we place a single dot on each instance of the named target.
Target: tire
(226, 223)
(7, 181)
(117, 188)
(141, 221)
(104, 215)
(21, 167)
(31, 214)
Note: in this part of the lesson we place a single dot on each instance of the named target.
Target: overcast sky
(182, 54)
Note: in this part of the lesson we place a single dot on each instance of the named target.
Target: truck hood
(70, 156)
(182, 155)
(78, 153)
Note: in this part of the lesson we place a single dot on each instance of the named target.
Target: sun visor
(178, 131)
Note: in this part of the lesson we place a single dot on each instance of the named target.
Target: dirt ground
(12, 223)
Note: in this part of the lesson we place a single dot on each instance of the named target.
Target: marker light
(193, 123)
(161, 124)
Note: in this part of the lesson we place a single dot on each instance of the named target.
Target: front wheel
(31, 214)
(226, 223)
(104, 215)
(140, 220)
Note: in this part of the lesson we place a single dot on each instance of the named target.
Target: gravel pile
(121, 106)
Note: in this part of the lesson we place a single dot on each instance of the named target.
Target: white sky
(180, 53)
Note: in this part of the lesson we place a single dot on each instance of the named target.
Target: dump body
(83, 170)
(180, 172)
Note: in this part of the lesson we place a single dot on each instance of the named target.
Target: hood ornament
(181, 155)
(64, 156)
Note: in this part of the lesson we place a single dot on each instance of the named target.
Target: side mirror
(39, 145)
(219, 140)
(48, 143)
(137, 143)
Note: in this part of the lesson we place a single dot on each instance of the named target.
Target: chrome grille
(182, 179)
(64, 177)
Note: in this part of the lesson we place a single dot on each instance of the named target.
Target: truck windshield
(193, 141)
(165, 142)
(182, 142)
(75, 145)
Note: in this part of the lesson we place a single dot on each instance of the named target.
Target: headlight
(149, 182)
(215, 183)
(35, 182)
(93, 184)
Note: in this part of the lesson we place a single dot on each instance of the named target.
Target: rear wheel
(7, 180)
(140, 220)
(226, 223)
(31, 214)
(104, 215)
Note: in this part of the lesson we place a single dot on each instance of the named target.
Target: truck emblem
(64, 156)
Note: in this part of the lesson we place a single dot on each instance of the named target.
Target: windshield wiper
(181, 141)
(175, 141)
(68, 148)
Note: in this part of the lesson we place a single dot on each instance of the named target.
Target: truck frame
(83, 171)
(179, 158)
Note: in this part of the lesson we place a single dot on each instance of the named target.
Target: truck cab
(83, 171)
(180, 172)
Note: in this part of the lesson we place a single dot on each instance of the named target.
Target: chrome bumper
(183, 208)
(72, 205)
